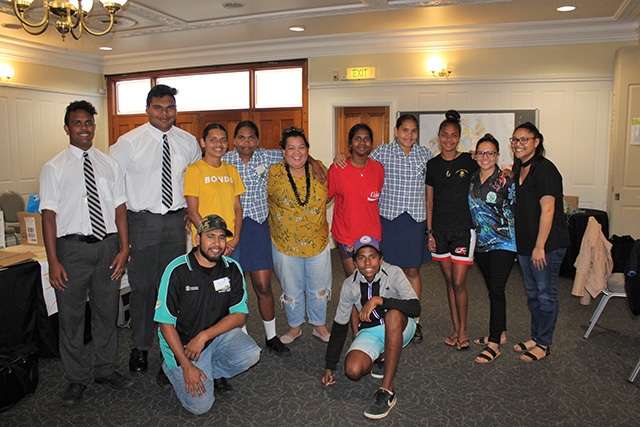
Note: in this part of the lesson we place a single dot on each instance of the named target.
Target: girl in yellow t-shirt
(212, 186)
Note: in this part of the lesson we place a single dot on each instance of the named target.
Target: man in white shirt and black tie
(82, 200)
(153, 158)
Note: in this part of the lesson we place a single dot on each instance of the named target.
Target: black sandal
(535, 358)
(490, 357)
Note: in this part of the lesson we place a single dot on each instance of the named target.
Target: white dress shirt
(62, 190)
(139, 154)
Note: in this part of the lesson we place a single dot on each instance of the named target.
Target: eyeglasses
(489, 154)
(522, 141)
(292, 130)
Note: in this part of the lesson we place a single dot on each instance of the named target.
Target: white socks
(270, 328)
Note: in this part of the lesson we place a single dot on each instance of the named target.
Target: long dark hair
(354, 129)
(246, 124)
(538, 155)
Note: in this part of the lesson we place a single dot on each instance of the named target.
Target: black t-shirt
(450, 181)
(543, 180)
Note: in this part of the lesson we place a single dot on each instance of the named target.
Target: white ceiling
(149, 29)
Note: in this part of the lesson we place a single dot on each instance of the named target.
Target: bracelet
(429, 231)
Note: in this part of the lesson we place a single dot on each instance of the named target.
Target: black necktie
(95, 211)
(167, 191)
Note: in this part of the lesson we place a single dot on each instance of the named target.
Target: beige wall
(570, 86)
(518, 61)
(32, 108)
(60, 79)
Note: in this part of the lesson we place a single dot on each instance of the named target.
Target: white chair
(634, 374)
(615, 288)
(10, 204)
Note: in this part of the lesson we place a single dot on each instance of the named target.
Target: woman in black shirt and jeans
(542, 237)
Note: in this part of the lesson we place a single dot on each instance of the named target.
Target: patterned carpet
(583, 382)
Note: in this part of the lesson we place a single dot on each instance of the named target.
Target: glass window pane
(131, 96)
(219, 91)
(279, 88)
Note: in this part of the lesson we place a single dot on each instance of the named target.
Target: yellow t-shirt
(215, 188)
(296, 230)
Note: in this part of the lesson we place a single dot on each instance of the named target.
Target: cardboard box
(8, 258)
(31, 228)
(573, 201)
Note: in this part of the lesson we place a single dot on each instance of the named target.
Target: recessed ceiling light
(566, 8)
(105, 48)
(296, 28)
(233, 5)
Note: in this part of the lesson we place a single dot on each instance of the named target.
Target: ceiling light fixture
(566, 9)
(70, 14)
(233, 5)
(296, 28)
(106, 48)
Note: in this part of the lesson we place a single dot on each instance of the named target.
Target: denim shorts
(371, 340)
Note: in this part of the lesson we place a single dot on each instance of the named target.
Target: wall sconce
(6, 72)
(438, 68)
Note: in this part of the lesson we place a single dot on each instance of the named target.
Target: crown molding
(35, 53)
(563, 32)
(429, 81)
(628, 11)
(37, 88)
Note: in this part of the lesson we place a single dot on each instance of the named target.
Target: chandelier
(70, 16)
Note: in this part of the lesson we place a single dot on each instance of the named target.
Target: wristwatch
(429, 231)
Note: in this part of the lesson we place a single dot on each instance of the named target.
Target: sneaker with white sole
(383, 401)
(377, 371)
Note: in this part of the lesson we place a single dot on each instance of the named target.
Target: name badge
(260, 169)
(222, 285)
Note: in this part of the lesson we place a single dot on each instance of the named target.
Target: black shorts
(457, 245)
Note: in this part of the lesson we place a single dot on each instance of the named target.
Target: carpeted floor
(583, 382)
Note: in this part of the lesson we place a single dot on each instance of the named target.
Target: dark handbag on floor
(632, 279)
(18, 374)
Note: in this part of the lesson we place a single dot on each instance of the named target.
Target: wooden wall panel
(5, 146)
(25, 162)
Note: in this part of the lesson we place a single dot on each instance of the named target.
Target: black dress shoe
(162, 379)
(274, 344)
(417, 337)
(222, 385)
(138, 361)
(73, 394)
(115, 380)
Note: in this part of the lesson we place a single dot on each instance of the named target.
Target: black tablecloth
(577, 223)
(23, 314)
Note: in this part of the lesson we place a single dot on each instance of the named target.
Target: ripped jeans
(299, 276)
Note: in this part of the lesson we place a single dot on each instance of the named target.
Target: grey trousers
(155, 240)
(87, 267)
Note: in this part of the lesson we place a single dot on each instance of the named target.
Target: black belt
(85, 239)
(181, 210)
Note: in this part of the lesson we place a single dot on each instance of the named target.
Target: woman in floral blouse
(300, 237)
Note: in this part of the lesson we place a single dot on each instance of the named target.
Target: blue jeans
(304, 275)
(542, 290)
(228, 355)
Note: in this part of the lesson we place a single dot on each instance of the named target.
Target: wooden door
(123, 124)
(272, 122)
(376, 117)
(227, 118)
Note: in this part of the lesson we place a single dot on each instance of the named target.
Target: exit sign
(361, 73)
